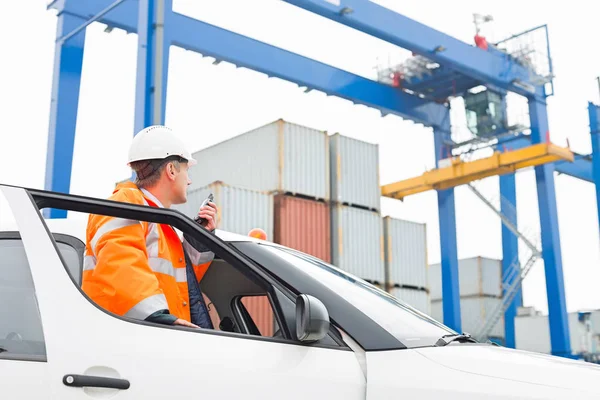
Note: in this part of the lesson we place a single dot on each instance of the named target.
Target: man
(143, 270)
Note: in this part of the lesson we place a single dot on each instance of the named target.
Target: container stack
(284, 162)
(480, 288)
(276, 178)
(315, 193)
(356, 225)
(406, 269)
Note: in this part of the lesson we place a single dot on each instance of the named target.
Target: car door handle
(95, 381)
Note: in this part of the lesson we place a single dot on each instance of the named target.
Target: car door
(91, 353)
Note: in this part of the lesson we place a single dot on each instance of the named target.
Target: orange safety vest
(135, 268)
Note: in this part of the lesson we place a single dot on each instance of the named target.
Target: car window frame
(44, 199)
(74, 242)
(408, 309)
(359, 326)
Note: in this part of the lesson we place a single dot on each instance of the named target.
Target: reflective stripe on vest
(148, 306)
(109, 226)
(89, 263)
(157, 264)
(163, 266)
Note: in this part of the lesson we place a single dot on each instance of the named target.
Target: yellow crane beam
(462, 172)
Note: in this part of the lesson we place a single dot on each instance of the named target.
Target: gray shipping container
(532, 333)
(278, 157)
(477, 276)
(354, 172)
(418, 299)
(405, 245)
(357, 242)
(473, 311)
(239, 209)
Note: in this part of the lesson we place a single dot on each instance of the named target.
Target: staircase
(513, 277)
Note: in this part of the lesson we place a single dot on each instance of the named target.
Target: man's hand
(183, 322)
(209, 214)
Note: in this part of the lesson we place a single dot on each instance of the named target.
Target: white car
(335, 336)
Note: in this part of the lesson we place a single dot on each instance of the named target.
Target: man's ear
(170, 170)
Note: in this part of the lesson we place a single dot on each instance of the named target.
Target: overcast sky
(211, 103)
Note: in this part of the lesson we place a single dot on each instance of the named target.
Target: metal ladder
(514, 276)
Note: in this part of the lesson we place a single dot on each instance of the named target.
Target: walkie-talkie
(209, 199)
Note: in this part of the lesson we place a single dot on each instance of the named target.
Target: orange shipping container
(303, 225)
(261, 313)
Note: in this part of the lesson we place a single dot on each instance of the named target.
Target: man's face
(180, 184)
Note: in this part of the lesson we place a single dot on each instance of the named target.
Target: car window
(21, 333)
(72, 254)
(138, 250)
(261, 312)
(408, 325)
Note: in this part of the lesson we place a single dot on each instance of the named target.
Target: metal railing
(513, 277)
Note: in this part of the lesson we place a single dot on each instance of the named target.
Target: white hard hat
(158, 142)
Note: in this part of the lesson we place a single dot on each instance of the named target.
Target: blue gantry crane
(449, 68)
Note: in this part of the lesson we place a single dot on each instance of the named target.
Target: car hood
(517, 365)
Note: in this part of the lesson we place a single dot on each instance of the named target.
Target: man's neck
(156, 194)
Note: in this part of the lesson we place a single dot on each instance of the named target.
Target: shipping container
(473, 311)
(354, 167)
(532, 333)
(279, 157)
(357, 242)
(477, 276)
(405, 245)
(418, 299)
(303, 225)
(239, 209)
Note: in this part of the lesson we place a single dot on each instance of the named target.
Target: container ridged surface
(405, 253)
(354, 166)
(261, 312)
(473, 311)
(418, 299)
(239, 209)
(357, 242)
(305, 162)
(477, 276)
(277, 157)
(303, 225)
(532, 333)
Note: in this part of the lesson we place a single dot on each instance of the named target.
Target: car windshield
(410, 326)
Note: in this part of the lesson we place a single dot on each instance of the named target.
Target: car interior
(235, 302)
(240, 305)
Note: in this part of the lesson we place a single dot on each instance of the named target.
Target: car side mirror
(312, 319)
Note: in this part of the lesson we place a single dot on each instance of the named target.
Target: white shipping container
(418, 299)
(473, 312)
(477, 276)
(239, 210)
(357, 242)
(532, 333)
(405, 245)
(278, 157)
(354, 172)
